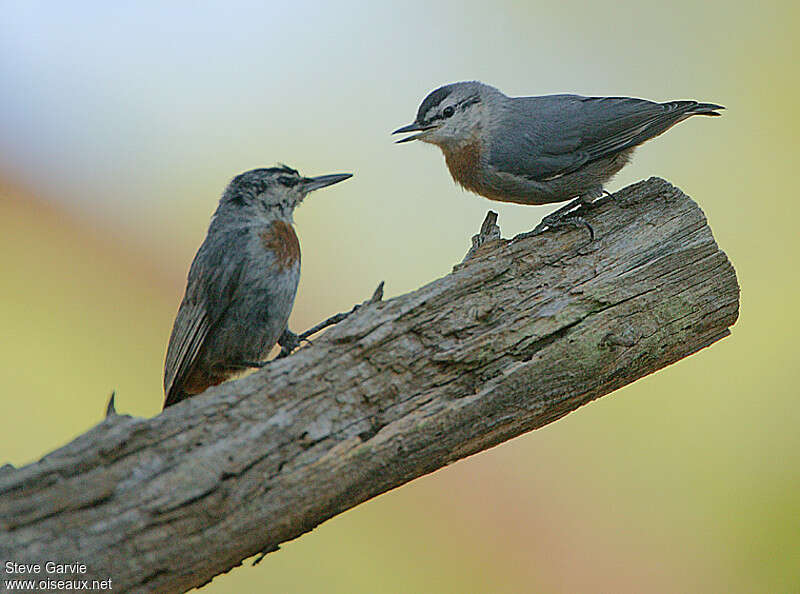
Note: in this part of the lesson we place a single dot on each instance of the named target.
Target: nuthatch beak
(309, 184)
(414, 127)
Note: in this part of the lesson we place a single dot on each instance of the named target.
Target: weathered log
(523, 332)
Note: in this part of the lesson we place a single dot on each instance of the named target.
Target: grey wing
(213, 278)
(188, 335)
(546, 137)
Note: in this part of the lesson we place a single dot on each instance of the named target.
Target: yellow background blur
(121, 126)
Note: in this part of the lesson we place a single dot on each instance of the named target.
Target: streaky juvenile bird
(242, 282)
(539, 150)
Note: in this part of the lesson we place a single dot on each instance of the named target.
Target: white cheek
(433, 136)
(452, 130)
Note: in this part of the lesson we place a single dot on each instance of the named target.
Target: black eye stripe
(287, 181)
(469, 101)
(460, 106)
(433, 101)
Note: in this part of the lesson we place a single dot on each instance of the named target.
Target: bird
(242, 282)
(541, 149)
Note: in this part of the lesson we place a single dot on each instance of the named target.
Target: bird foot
(564, 220)
(289, 341)
(566, 216)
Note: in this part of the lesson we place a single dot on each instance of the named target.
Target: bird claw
(561, 220)
(288, 342)
(567, 216)
(287, 350)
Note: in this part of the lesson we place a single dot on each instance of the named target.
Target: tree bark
(520, 334)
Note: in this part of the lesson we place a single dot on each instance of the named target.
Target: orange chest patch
(281, 240)
(463, 164)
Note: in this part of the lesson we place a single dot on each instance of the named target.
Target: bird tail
(174, 396)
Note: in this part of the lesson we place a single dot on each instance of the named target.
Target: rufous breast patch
(282, 241)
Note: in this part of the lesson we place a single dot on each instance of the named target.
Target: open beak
(415, 127)
(315, 183)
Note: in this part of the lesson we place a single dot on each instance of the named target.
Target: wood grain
(522, 333)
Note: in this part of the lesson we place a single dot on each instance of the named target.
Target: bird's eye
(288, 181)
(448, 111)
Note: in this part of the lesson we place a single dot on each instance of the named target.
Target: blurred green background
(121, 124)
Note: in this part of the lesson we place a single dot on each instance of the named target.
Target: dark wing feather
(213, 278)
(188, 335)
(546, 137)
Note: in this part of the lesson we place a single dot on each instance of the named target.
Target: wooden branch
(517, 336)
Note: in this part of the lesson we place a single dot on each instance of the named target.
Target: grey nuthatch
(538, 150)
(242, 282)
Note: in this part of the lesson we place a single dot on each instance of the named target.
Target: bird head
(276, 190)
(451, 115)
